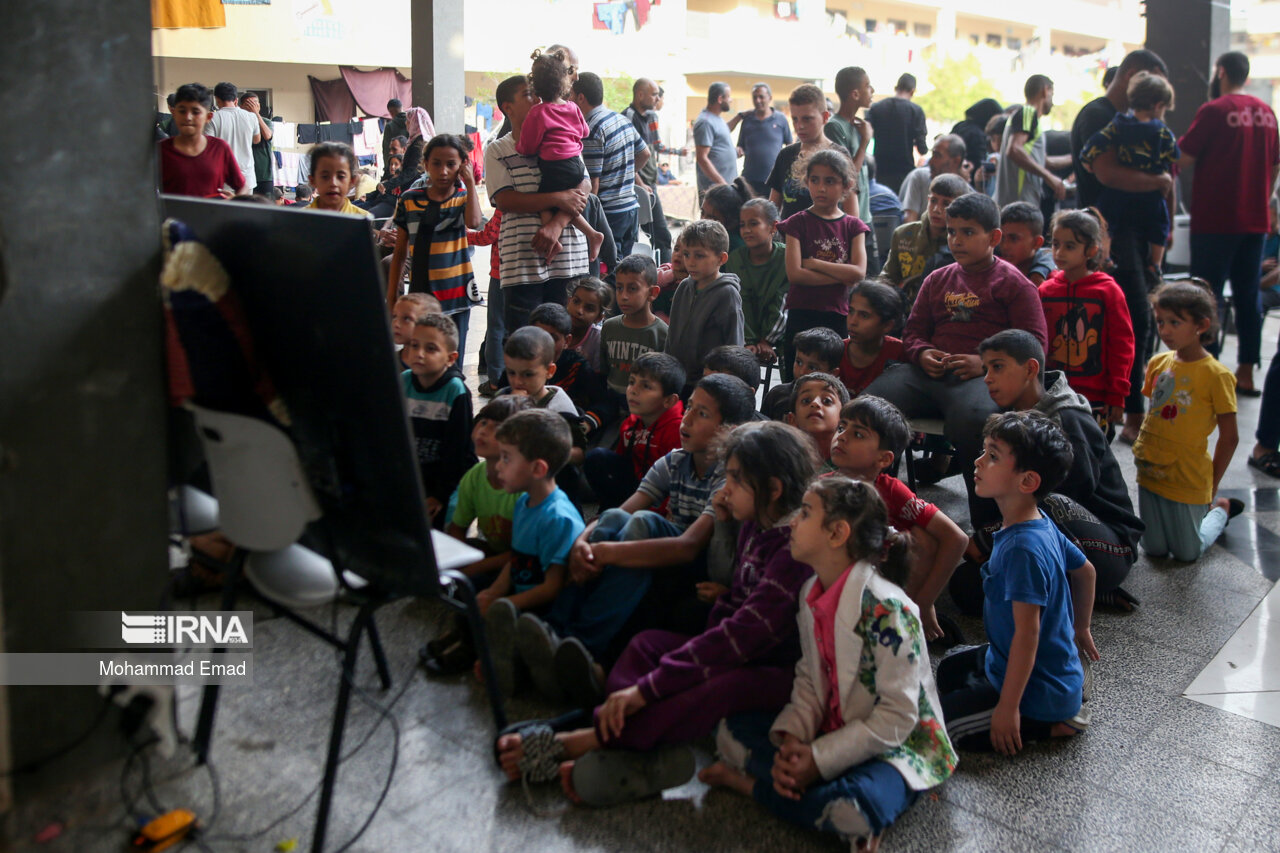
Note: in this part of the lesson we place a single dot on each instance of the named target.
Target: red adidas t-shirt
(202, 175)
(1235, 143)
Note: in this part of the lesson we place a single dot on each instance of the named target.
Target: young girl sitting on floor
(875, 309)
(668, 688)
(553, 132)
(863, 734)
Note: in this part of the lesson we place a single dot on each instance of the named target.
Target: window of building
(898, 28)
(1013, 43)
(995, 40)
(973, 40)
(873, 26)
(923, 31)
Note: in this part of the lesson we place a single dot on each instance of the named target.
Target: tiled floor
(1163, 767)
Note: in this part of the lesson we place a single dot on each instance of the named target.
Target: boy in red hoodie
(1090, 333)
(650, 432)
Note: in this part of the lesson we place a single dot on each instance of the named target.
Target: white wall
(358, 32)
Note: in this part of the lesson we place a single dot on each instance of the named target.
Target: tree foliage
(958, 82)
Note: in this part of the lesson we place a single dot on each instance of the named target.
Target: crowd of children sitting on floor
(675, 564)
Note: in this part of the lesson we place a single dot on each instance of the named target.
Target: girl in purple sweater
(670, 688)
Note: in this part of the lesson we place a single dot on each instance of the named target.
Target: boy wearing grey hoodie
(706, 311)
(1092, 504)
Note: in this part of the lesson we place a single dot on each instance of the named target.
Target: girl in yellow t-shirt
(1192, 394)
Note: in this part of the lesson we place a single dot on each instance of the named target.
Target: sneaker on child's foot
(500, 626)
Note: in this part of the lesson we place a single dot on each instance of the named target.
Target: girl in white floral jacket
(863, 734)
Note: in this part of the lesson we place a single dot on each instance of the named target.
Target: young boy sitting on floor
(818, 350)
(957, 308)
(871, 438)
(573, 374)
(707, 309)
(479, 498)
(530, 356)
(1091, 505)
(439, 409)
(1028, 682)
(533, 446)
(650, 432)
(816, 401)
(404, 316)
(1022, 241)
(734, 361)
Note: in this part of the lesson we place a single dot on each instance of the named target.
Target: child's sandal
(543, 753)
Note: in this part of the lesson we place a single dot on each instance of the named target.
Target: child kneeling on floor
(1028, 683)
(1192, 394)
(863, 734)
(670, 688)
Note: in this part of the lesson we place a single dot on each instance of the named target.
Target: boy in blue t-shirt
(439, 407)
(1028, 683)
(533, 445)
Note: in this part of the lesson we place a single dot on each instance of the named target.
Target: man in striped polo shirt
(512, 179)
(613, 151)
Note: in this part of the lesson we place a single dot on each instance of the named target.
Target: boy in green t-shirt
(479, 498)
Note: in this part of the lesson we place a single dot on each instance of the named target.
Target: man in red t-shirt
(192, 163)
(1235, 148)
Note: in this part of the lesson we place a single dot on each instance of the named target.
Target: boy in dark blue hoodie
(439, 406)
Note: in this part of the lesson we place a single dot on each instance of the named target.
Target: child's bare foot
(721, 775)
(566, 782)
(1063, 730)
(594, 241)
(1132, 424)
(510, 751)
(868, 845)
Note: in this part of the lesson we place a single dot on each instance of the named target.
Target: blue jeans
(625, 227)
(865, 800)
(596, 611)
(495, 334)
(1217, 257)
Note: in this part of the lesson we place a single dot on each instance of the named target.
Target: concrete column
(437, 49)
(83, 515)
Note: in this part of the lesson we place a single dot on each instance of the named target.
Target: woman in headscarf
(421, 129)
(973, 131)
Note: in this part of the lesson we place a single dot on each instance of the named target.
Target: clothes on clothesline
(284, 134)
(309, 134)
